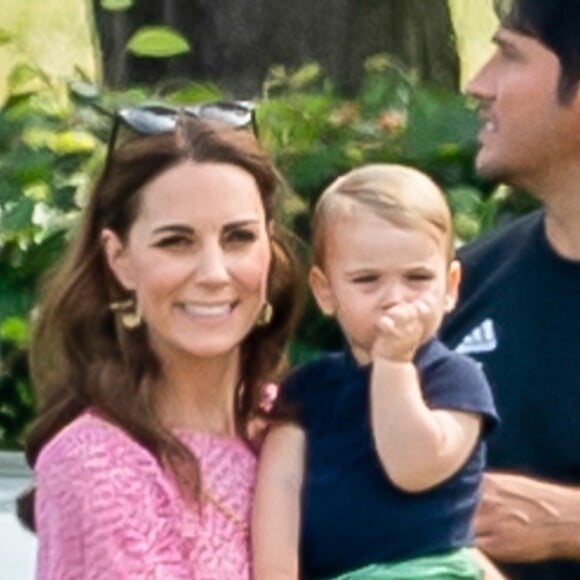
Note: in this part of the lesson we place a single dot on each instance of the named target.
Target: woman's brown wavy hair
(81, 358)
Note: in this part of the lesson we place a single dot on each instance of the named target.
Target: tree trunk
(235, 42)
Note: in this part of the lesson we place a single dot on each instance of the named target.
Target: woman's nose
(212, 267)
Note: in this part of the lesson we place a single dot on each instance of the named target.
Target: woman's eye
(240, 236)
(174, 242)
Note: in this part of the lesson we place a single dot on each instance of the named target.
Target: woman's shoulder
(92, 442)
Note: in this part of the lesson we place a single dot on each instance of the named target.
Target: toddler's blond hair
(403, 196)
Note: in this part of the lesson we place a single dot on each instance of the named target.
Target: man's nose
(481, 85)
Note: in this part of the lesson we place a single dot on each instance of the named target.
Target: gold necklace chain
(227, 512)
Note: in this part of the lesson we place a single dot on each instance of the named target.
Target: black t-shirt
(352, 515)
(519, 315)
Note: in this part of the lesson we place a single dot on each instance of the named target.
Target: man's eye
(510, 53)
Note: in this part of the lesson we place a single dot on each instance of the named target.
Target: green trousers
(455, 565)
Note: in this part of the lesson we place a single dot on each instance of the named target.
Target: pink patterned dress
(106, 511)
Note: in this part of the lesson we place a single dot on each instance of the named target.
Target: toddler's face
(371, 265)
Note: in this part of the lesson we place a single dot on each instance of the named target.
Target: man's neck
(558, 187)
(563, 230)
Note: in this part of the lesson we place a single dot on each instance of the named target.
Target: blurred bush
(53, 137)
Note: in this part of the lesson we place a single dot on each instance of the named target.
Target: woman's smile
(211, 311)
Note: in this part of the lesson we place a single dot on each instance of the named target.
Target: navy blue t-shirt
(352, 515)
(519, 317)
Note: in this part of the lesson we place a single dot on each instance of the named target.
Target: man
(519, 312)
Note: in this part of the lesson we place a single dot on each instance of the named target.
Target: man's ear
(453, 281)
(322, 291)
(117, 258)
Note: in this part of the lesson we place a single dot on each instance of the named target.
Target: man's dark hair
(554, 23)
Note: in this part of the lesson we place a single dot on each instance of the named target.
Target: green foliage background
(53, 136)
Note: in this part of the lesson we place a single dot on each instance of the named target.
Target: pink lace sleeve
(104, 510)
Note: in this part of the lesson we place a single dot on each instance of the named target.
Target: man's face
(526, 132)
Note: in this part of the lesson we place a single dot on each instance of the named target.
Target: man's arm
(521, 519)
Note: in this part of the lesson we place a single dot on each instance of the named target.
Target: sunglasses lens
(234, 114)
(158, 119)
(150, 121)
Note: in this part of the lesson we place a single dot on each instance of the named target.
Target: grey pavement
(17, 545)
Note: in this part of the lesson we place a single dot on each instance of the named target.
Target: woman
(155, 337)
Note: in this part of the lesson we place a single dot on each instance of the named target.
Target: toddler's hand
(401, 330)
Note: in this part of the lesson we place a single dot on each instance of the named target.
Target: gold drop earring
(266, 315)
(128, 312)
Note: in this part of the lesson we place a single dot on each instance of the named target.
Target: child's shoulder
(309, 383)
(323, 366)
(436, 354)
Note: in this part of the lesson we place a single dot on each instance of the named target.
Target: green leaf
(467, 227)
(194, 93)
(28, 166)
(5, 36)
(464, 199)
(18, 216)
(20, 76)
(305, 76)
(439, 124)
(8, 192)
(116, 5)
(15, 295)
(14, 329)
(157, 42)
(84, 90)
(69, 142)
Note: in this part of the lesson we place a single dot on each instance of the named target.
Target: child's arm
(276, 512)
(419, 447)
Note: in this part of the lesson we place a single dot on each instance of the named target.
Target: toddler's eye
(420, 277)
(367, 279)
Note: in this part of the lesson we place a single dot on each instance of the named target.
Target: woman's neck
(198, 395)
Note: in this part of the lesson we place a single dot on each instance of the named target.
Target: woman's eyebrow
(241, 224)
(185, 229)
(174, 228)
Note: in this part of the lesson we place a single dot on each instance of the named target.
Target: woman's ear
(117, 258)
(322, 291)
(453, 281)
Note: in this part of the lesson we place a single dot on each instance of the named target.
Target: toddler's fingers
(423, 306)
(386, 323)
(401, 312)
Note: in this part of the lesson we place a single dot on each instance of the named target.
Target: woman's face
(197, 257)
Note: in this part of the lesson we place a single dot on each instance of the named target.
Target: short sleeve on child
(352, 515)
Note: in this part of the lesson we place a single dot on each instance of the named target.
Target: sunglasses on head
(156, 119)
